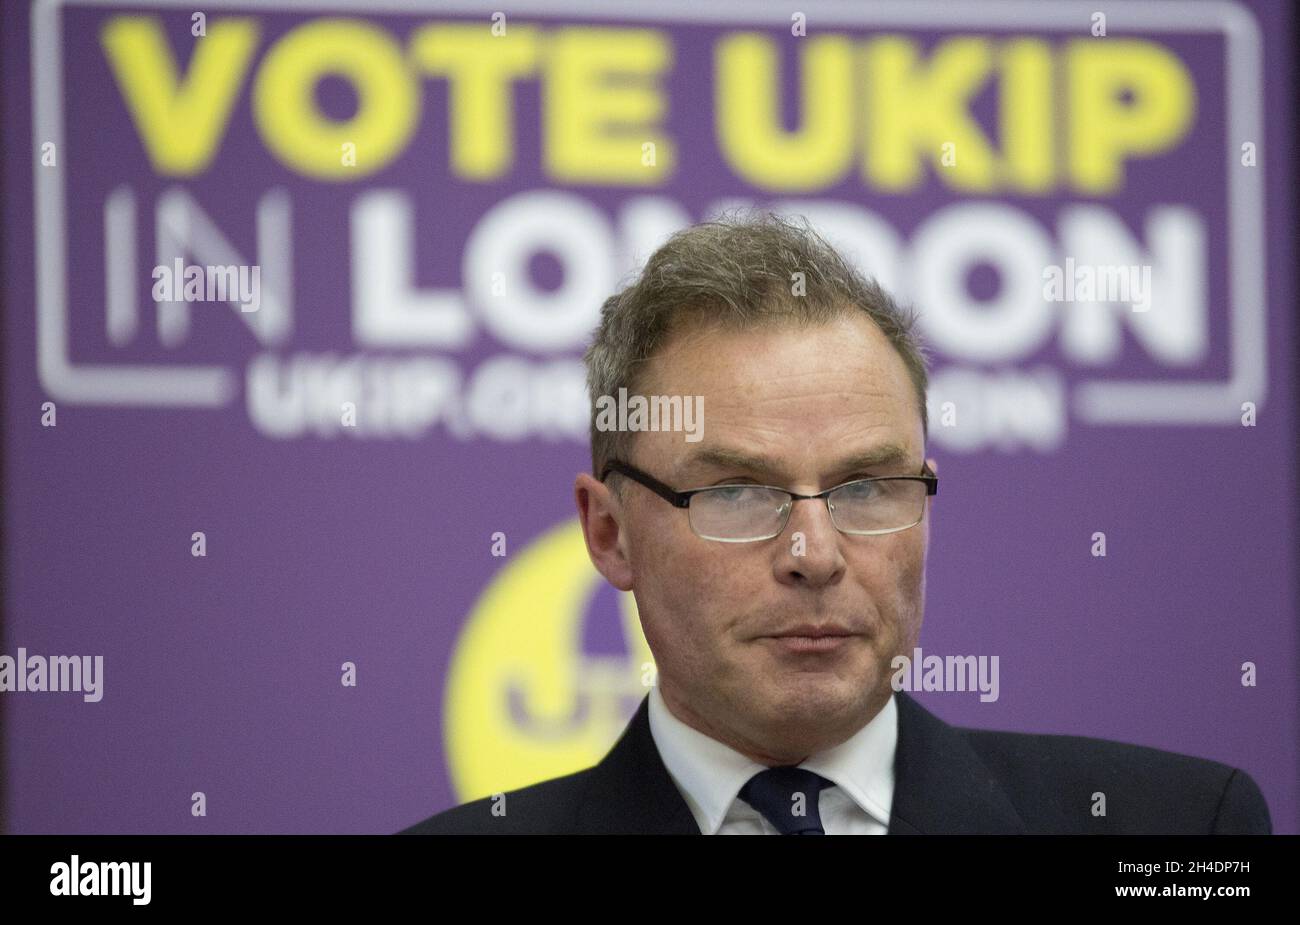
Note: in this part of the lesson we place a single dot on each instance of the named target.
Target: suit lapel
(631, 792)
(940, 784)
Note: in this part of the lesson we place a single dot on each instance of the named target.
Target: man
(774, 606)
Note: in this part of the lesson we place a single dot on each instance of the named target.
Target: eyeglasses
(745, 513)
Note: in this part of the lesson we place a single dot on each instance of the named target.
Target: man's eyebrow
(726, 458)
(889, 454)
(721, 457)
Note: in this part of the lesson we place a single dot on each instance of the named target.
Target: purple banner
(295, 302)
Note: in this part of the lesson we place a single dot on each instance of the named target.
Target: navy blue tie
(773, 793)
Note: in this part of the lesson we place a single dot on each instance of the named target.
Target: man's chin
(820, 699)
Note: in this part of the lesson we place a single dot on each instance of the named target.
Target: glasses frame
(682, 499)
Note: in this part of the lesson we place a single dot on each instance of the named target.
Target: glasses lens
(738, 513)
(881, 506)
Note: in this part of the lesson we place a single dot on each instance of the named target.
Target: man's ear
(600, 514)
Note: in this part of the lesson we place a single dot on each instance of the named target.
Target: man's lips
(811, 631)
(804, 645)
(810, 638)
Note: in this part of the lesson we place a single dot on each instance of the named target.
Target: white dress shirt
(710, 775)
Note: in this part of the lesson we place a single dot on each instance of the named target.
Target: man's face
(801, 403)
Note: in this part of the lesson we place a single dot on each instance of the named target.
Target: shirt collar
(710, 774)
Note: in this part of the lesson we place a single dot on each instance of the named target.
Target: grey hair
(735, 272)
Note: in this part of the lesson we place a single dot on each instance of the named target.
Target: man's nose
(812, 544)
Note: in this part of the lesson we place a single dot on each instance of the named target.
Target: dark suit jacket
(947, 780)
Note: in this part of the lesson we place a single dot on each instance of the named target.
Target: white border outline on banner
(1098, 402)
